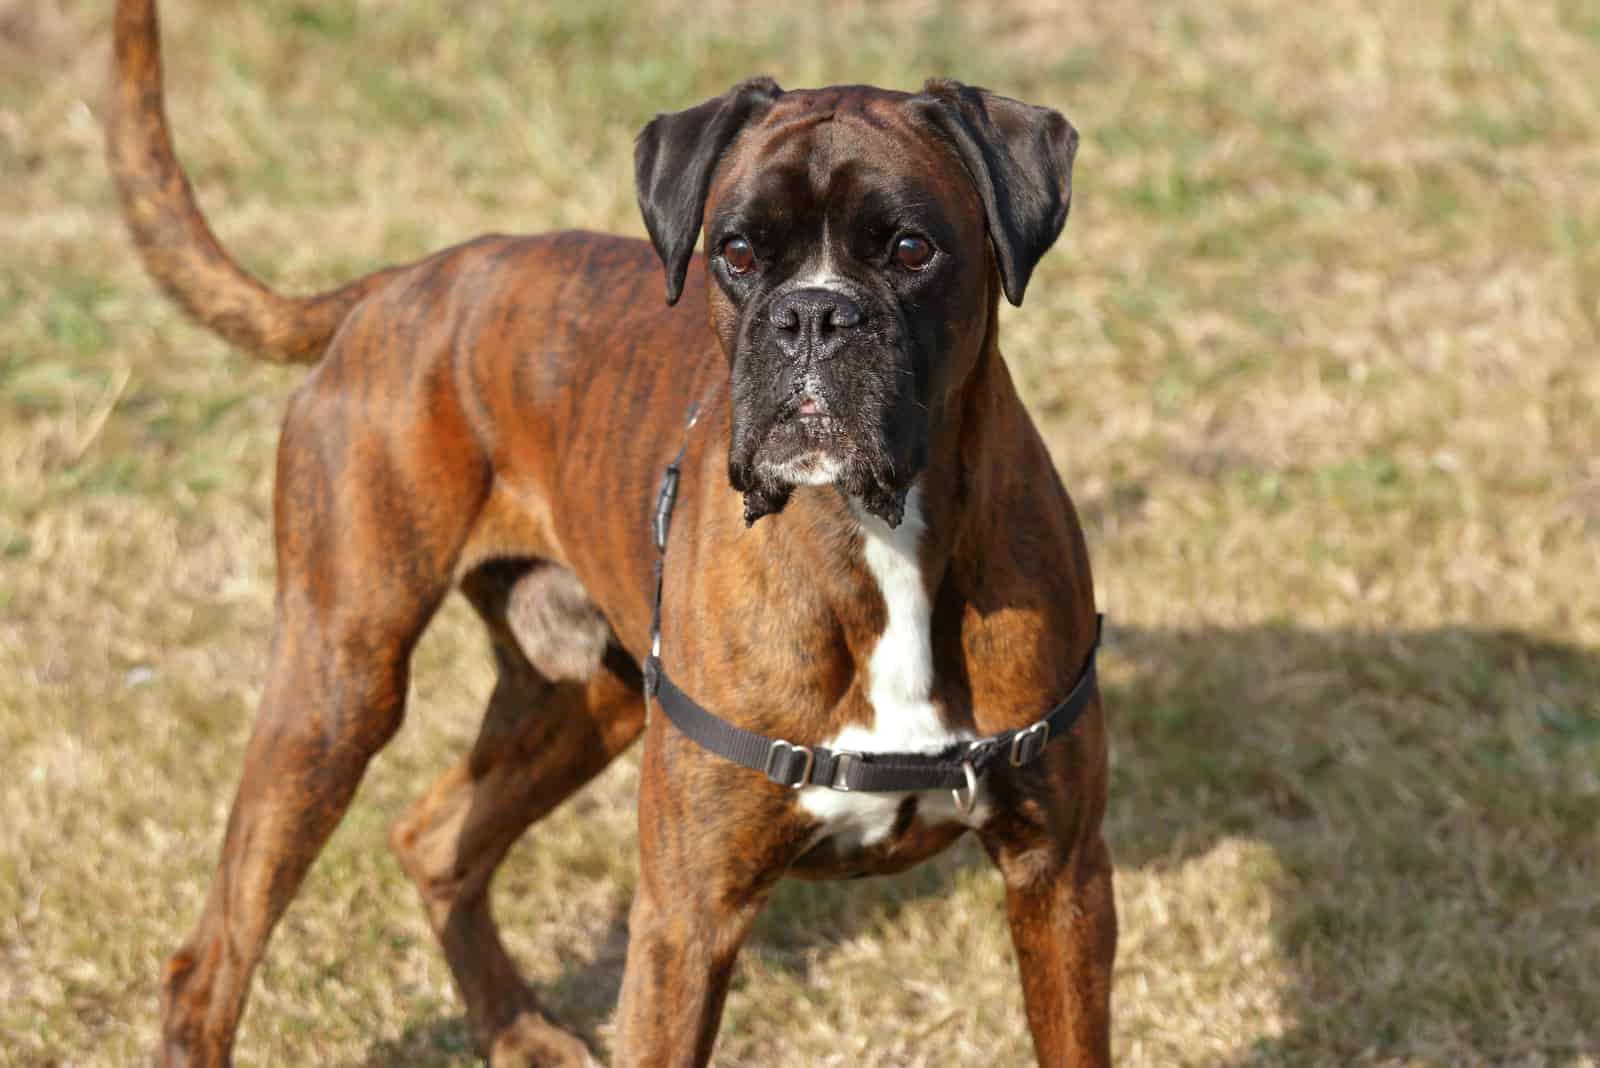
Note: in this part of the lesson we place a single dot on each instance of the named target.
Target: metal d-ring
(971, 802)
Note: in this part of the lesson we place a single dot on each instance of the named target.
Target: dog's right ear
(673, 158)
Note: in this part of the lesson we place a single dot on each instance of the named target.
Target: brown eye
(913, 253)
(738, 255)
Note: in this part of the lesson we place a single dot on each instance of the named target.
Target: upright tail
(178, 248)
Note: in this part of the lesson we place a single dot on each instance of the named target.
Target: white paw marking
(899, 687)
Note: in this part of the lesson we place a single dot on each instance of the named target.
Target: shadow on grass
(442, 1042)
(1429, 800)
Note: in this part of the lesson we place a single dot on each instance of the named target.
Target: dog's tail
(178, 248)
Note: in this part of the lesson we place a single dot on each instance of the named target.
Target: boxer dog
(870, 552)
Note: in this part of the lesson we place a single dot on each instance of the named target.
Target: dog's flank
(171, 233)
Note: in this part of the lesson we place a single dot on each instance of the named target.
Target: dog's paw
(531, 1041)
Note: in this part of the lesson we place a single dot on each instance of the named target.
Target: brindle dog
(871, 547)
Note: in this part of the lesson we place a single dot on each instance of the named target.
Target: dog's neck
(963, 489)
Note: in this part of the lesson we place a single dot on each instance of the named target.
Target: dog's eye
(738, 255)
(913, 252)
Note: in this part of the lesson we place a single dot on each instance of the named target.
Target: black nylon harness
(957, 768)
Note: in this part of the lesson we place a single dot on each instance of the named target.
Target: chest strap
(789, 764)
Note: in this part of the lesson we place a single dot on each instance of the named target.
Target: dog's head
(853, 239)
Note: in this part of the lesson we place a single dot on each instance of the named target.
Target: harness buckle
(841, 769)
(967, 804)
(773, 754)
(1023, 751)
(978, 753)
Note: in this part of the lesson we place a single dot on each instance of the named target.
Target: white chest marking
(899, 687)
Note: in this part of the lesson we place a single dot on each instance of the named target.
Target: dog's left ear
(1020, 159)
(673, 158)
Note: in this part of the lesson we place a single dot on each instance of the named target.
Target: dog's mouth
(808, 442)
(808, 412)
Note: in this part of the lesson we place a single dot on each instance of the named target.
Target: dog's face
(853, 239)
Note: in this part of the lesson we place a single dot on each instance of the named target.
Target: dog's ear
(1020, 159)
(673, 158)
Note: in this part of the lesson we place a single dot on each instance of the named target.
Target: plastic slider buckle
(1026, 745)
(778, 751)
(665, 499)
(841, 769)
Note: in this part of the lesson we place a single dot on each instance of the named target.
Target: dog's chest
(900, 681)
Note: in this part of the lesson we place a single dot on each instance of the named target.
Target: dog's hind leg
(548, 730)
(363, 561)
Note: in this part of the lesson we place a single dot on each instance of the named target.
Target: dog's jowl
(875, 616)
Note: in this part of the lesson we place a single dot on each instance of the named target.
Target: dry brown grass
(1318, 356)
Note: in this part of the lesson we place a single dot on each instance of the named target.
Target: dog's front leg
(1064, 927)
(680, 957)
(706, 866)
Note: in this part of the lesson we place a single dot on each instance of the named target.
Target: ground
(1318, 356)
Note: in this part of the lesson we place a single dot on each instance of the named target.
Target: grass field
(1318, 355)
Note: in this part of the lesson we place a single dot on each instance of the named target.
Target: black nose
(813, 319)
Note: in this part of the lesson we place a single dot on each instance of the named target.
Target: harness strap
(794, 765)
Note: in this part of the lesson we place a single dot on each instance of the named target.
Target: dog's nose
(813, 318)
